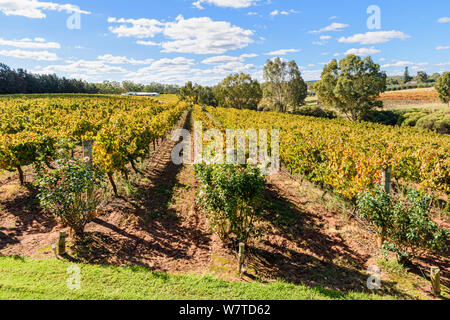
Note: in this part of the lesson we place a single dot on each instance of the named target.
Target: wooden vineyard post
(387, 186)
(87, 151)
(435, 276)
(241, 258)
(87, 155)
(387, 180)
(62, 243)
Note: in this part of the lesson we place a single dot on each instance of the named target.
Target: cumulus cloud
(221, 60)
(249, 55)
(35, 9)
(163, 70)
(375, 37)
(237, 4)
(281, 52)
(31, 55)
(404, 64)
(148, 43)
(444, 20)
(86, 67)
(204, 36)
(194, 35)
(311, 75)
(138, 28)
(335, 26)
(283, 12)
(363, 51)
(27, 43)
(123, 60)
(442, 47)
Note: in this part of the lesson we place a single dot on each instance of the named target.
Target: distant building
(142, 94)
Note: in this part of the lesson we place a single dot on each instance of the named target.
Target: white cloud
(34, 8)
(363, 51)
(26, 43)
(444, 20)
(281, 52)
(283, 12)
(404, 64)
(148, 43)
(108, 58)
(237, 4)
(31, 55)
(442, 47)
(324, 41)
(275, 13)
(335, 26)
(311, 75)
(204, 36)
(249, 55)
(221, 60)
(86, 67)
(194, 35)
(138, 28)
(375, 37)
(163, 70)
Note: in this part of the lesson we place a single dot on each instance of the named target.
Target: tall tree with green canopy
(188, 94)
(284, 87)
(422, 76)
(352, 86)
(443, 88)
(406, 77)
(238, 91)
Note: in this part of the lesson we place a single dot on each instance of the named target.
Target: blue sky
(173, 41)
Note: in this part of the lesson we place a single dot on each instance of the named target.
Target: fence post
(62, 243)
(387, 186)
(241, 257)
(87, 155)
(387, 180)
(435, 276)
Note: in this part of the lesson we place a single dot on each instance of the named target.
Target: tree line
(283, 90)
(351, 86)
(22, 82)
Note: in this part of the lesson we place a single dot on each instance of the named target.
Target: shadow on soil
(156, 233)
(29, 219)
(321, 260)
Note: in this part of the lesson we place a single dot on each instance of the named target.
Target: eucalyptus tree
(352, 86)
(284, 87)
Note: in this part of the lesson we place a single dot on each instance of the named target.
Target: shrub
(382, 117)
(412, 229)
(65, 191)
(316, 112)
(404, 226)
(410, 119)
(439, 122)
(232, 197)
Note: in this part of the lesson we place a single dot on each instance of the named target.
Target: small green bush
(65, 191)
(410, 119)
(404, 225)
(439, 122)
(232, 196)
(385, 117)
(316, 112)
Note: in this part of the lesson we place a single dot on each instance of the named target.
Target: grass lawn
(30, 279)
